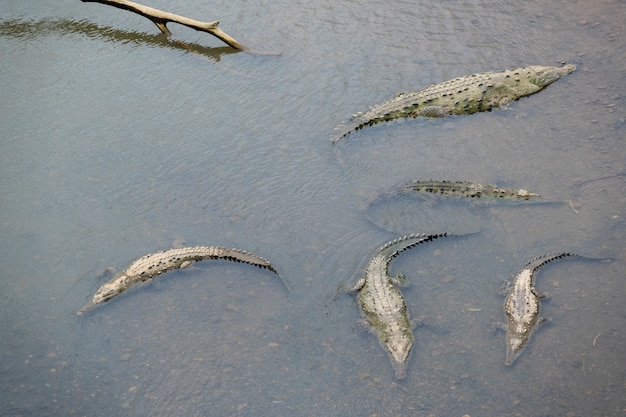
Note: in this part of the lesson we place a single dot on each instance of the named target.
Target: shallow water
(117, 142)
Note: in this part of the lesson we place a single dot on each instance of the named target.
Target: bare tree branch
(161, 18)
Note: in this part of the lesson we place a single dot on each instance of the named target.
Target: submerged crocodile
(465, 189)
(382, 305)
(463, 95)
(522, 307)
(149, 266)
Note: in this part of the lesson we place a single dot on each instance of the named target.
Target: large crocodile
(522, 307)
(149, 266)
(382, 305)
(463, 95)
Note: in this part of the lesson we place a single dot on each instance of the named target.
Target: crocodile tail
(345, 129)
(540, 261)
(238, 255)
(399, 245)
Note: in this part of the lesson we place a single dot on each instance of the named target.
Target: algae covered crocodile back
(149, 266)
(463, 95)
(382, 304)
(466, 189)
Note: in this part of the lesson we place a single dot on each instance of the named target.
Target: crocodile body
(154, 264)
(466, 189)
(463, 95)
(383, 306)
(522, 307)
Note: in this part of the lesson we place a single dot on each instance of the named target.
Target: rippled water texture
(117, 141)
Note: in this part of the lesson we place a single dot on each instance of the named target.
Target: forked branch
(161, 18)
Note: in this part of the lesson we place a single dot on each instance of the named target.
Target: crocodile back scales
(466, 189)
(154, 264)
(383, 306)
(160, 262)
(462, 95)
(522, 306)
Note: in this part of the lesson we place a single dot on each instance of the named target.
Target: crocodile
(522, 306)
(382, 304)
(463, 95)
(149, 266)
(465, 189)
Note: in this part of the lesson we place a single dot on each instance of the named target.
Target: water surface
(117, 142)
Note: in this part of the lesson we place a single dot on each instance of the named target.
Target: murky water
(116, 142)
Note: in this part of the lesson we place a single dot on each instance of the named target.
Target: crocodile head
(544, 76)
(399, 348)
(515, 344)
(108, 291)
(104, 293)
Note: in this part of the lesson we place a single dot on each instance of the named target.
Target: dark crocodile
(464, 189)
(522, 307)
(149, 266)
(382, 304)
(463, 95)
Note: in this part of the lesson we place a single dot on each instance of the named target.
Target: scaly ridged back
(449, 90)
(467, 189)
(154, 264)
(462, 95)
(160, 262)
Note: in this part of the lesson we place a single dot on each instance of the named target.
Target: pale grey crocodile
(149, 266)
(463, 95)
(522, 307)
(382, 304)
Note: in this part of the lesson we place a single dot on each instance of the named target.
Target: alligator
(522, 306)
(382, 305)
(463, 95)
(149, 266)
(465, 189)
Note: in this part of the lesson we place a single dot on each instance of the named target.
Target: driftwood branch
(161, 19)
